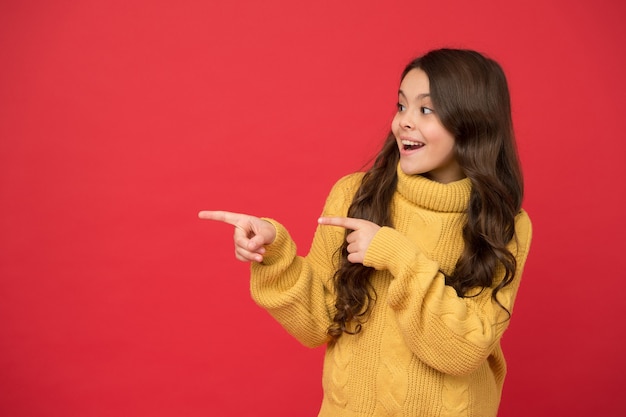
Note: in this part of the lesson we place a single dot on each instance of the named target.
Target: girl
(414, 268)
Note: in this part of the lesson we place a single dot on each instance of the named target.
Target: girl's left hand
(359, 239)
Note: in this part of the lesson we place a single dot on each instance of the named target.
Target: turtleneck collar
(432, 195)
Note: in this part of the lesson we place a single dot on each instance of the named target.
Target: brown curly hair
(472, 99)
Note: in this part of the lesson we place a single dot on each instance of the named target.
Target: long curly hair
(472, 99)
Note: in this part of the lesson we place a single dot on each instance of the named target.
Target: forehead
(415, 83)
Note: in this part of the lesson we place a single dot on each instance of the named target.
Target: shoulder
(342, 193)
(523, 230)
(350, 182)
(522, 221)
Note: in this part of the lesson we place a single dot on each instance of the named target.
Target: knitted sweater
(423, 351)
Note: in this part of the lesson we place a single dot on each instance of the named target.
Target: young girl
(415, 265)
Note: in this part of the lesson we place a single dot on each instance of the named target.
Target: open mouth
(410, 145)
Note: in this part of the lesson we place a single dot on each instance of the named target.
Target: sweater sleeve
(299, 291)
(452, 334)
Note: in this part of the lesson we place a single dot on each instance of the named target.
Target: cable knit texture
(423, 350)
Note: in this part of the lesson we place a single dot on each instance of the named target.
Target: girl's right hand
(251, 233)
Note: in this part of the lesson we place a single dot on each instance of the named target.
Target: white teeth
(411, 143)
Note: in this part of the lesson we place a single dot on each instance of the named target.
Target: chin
(410, 169)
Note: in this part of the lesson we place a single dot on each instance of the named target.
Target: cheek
(394, 124)
(445, 141)
(448, 149)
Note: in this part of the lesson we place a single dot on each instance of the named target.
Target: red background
(120, 120)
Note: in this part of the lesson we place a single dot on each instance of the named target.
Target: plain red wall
(119, 120)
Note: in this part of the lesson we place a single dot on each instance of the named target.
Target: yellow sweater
(423, 351)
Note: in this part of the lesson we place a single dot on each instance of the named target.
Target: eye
(426, 110)
(401, 107)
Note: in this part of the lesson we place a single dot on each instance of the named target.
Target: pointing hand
(251, 233)
(359, 239)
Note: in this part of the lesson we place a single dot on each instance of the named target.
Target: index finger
(221, 216)
(345, 222)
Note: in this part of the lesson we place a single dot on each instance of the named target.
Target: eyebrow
(419, 96)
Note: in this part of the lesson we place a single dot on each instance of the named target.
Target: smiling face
(426, 147)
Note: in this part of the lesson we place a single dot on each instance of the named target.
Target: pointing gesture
(359, 239)
(251, 233)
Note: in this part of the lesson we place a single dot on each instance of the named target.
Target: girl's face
(426, 147)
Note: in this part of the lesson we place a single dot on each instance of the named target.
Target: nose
(406, 121)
